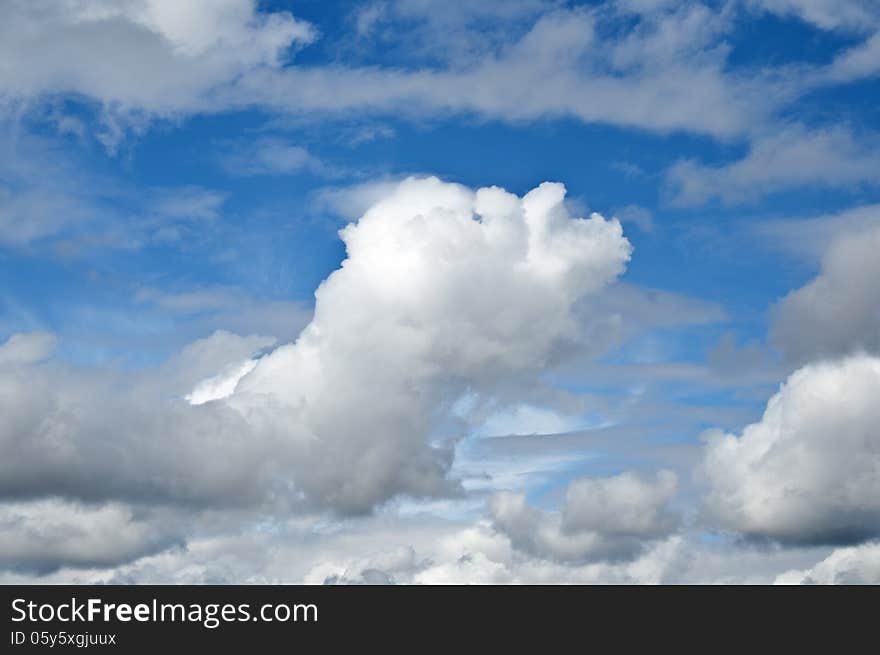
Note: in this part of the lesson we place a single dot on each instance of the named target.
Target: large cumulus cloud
(809, 470)
(444, 291)
(166, 55)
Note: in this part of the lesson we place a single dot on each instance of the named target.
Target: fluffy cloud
(441, 293)
(444, 291)
(838, 312)
(601, 519)
(807, 472)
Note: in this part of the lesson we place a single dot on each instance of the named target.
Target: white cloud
(623, 505)
(529, 419)
(807, 472)
(221, 385)
(560, 67)
(601, 519)
(45, 535)
(441, 292)
(479, 554)
(27, 348)
(212, 359)
(790, 158)
(838, 312)
(852, 565)
(422, 550)
(229, 547)
(389, 567)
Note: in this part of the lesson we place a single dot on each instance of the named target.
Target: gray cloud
(104, 435)
(43, 536)
(601, 519)
(838, 312)
(558, 68)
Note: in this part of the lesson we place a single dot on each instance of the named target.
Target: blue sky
(167, 172)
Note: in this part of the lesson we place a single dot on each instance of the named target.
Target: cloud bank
(174, 59)
(440, 294)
